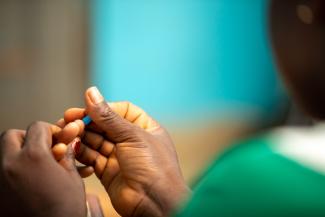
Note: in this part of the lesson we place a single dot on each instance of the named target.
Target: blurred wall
(43, 63)
(180, 59)
(43, 59)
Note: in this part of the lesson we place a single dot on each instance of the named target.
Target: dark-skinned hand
(32, 181)
(132, 155)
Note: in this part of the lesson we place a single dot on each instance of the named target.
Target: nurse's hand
(32, 182)
(132, 155)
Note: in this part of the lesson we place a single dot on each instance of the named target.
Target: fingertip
(67, 114)
(69, 132)
(73, 128)
(94, 96)
(59, 150)
(73, 114)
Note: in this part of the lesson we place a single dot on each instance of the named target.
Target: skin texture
(33, 180)
(132, 155)
(298, 33)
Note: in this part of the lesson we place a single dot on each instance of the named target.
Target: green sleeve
(252, 180)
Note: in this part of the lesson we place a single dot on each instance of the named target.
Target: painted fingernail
(76, 145)
(95, 96)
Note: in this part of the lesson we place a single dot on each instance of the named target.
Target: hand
(32, 182)
(132, 155)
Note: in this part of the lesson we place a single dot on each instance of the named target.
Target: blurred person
(280, 173)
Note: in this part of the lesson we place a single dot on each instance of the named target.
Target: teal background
(182, 59)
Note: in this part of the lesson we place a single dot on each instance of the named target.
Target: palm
(123, 195)
(126, 188)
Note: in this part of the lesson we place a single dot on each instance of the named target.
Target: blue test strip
(87, 120)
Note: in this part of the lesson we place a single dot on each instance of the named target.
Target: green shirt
(278, 174)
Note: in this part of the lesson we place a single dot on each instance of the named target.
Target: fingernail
(95, 95)
(76, 146)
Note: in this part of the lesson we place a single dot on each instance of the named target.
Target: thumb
(115, 127)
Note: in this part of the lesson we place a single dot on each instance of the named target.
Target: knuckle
(37, 124)
(130, 133)
(7, 135)
(34, 154)
(4, 135)
(106, 112)
(107, 115)
(122, 129)
(37, 132)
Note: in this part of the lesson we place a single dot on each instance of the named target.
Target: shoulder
(263, 175)
(290, 148)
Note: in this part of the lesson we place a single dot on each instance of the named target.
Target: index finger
(70, 131)
(73, 114)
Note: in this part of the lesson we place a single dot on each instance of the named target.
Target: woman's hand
(32, 182)
(132, 155)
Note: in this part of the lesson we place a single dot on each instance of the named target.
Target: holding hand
(32, 182)
(132, 155)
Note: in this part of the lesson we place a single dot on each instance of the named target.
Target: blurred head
(298, 34)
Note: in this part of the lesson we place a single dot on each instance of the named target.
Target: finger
(70, 131)
(74, 114)
(38, 139)
(59, 150)
(68, 161)
(120, 108)
(133, 114)
(85, 171)
(115, 127)
(90, 157)
(55, 130)
(86, 155)
(111, 171)
(81, 125)
(141, 121)
(11, 142)
(95, 128)
(61, 123)
(98, 142)
(94, 206)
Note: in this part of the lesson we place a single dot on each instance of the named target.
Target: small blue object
(87, 120)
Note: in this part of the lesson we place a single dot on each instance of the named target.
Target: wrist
(169, 194)
(162, 198)
(147, 208)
